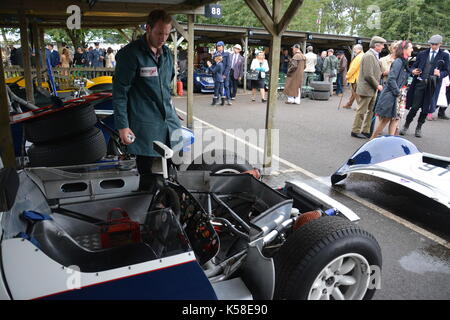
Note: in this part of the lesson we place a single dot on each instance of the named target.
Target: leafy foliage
(415, 20)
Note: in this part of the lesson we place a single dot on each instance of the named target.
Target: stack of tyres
(321, 90)
(65, 137)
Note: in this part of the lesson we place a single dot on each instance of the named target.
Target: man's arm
(124, 75)
(241, 68)
(293, 65)
(227, 65)
(369, 74)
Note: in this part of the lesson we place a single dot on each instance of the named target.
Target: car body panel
(397, 160)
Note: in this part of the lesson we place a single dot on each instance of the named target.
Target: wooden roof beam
(288, 15)
(262, 15)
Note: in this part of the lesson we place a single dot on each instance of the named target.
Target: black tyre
(87, 147)
(320, 95)
(327, 258)
(60, 124)
(224, 162)
(320, 85)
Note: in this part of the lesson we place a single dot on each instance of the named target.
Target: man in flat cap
(368, 86)
(431, 66)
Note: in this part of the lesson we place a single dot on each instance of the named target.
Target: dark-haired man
(142, 95)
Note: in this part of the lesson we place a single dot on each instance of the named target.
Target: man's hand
(437, 72)
(209, 63)
(416, 72)
(240, 78)
(380, 88)
(124, 135)
(386, 73)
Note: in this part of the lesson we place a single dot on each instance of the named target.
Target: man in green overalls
(142, 96)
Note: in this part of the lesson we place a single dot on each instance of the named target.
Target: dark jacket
(398, 77)
(54, 57)
(319, 64)
(142, 97)
(226, 63)
(441, 61)
(78, 59)
(217, 70)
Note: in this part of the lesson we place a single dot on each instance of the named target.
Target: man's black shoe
(444, 117)
(358, 135)
(367, 135)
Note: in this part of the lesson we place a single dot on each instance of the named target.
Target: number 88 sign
(213, 11)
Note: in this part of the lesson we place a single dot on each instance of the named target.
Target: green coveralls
(142, 97)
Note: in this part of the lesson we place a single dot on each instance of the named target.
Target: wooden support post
(174, 36)
(37, 52)
(275, 24)
(190, 72)
(246, 56)
(7, 155)
(25, 43)
(275, 47)
(304, 46)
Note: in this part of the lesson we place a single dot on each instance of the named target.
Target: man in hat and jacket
(294, 76)
(226, 72)
(236, 69)
(367, 88)
(431, 66)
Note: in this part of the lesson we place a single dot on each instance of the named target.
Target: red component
(306, 217)
(255, 173)
(120, 231)
(179, 88)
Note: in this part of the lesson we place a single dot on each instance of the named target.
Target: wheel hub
(344, 278)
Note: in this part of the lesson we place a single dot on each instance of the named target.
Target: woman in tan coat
(294, 76)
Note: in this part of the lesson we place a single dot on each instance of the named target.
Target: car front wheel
(329, 258)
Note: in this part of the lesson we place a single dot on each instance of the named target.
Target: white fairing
(31, 274)
(317, 196)
(410, 171)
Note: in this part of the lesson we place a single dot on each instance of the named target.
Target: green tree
(415, 20)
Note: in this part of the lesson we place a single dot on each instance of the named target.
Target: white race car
(398, 160)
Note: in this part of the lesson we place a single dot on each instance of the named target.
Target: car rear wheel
(329, 258)
(224, 162)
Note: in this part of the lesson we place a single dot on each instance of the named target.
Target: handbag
(252, 75)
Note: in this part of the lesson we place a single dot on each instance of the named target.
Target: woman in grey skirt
(387, 106)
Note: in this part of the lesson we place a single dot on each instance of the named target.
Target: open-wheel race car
(84, 232)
